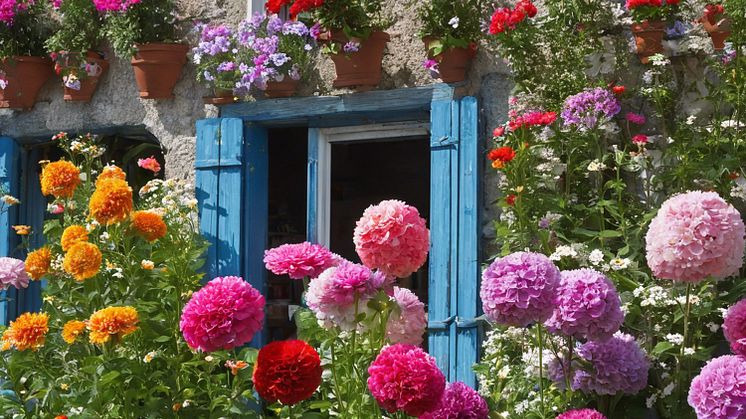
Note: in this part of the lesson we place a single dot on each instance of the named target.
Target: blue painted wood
(255, 212)
(468, 243)
(453, 239)
(10, 180)
(230, 194)
(312, 189)
(206, 187)
(32, 214)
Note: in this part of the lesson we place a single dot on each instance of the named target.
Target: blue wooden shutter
(207, 165)
(10, 172)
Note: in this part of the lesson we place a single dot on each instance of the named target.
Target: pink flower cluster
(719, 391)
(734, 328)
(587, 306)
(531, 119)
(149, 164)
(393, 238)
(13, 273)
(459, 401)
(408, 324)
(10, 8)
(224, 314)
(582, 414)
(695, 235)
(405, 378)
(635, 118)
(302, 260)
(114, 5)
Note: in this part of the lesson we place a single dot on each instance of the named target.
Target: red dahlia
(288, 371)
(500, 156)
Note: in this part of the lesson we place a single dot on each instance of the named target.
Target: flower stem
(687, 310)
(540, 345)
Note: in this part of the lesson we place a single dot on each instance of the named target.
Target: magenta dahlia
(13, 273)
(734, 328)
(695, 235)
(459, 401)
(298, 261)
(719, 391)
(582, 414)
(224, 314)
(405, 378)
(393, 238)
(519, 289)
(407, 324)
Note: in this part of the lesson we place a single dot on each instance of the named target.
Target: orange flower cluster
(111, 172)
(28, 331)
(60, 179)
(73, 235)
(38, 262)
(71, 330)
(112, 321)
(83, 261)
(149, 225)
(111, 202)
(22, 230)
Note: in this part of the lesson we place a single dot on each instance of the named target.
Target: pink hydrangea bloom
(405, 378)
(695, 235)
(734, 328)
(114, 5)
(587, 306)
(224, 314)
(719, 391)
(459, 401)
(408, 324)
(582, 414)
(12, 273)
(519, 289)
(302, 260)
(322, 299)
(393, 238)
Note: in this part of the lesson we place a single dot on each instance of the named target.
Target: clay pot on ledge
(649, 39)
(24, 76)
(96, 67)
(359, 70)
(157, 68)
(220, 97)
(285, 88)
(453, 63)
(719, 30)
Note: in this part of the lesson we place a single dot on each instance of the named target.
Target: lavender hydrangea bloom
(588, 108)
(587, 306)
(719, 391)
(13, 273)
(459, 401)
(519, 289)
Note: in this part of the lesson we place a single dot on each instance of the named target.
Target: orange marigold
(83, 261)
(72, 235)
(38, 262)
(60, 179)
(111, 172)
(111, 202)
(112, 321)
(71, 330)
(28, 331)
(149, 225)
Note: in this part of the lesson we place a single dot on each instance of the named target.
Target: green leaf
(662, 347)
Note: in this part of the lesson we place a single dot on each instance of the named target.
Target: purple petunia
(588, 108)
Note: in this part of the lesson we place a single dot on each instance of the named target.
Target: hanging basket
(719, 31)
(649, 39)
(453, 63)
(158, 68)
(360, 70)
(25, 76)
(88, 85)
(285, 88)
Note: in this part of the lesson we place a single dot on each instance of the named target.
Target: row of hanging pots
(649, 36)
(157, 68)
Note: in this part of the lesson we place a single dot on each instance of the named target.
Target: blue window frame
(232, 190)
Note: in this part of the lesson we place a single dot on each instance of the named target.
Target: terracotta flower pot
(88, 84)
(719, 31)
(453, 63)
(25, 76)
(158, 68)
(220, 97)
(360, 70)
(285, 88)
(649, 39)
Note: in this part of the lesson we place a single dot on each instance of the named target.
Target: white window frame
(253, 6)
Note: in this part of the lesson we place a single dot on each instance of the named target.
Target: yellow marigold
(112, 321)
(111, 202)
(28, 331)
(72, 235)
(71, 330)
(38, 262)
(111, 172)
(60, 179)
(149, 225)
(82, 261)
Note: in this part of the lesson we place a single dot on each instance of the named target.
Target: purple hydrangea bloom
(519, 289)
(586, 109)
(719, 391)
(459, 401)
(352, 281)
(587, 306)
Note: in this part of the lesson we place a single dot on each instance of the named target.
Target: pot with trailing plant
(215, 58)
(24, 67)
(451, 31)
(717, 24)
(350, 32)
(146, 32)
(72, 47)
(648, 25)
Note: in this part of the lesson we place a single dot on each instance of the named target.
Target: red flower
(712, 10)
(288, 371)
(500, 156)
(498, 132)
(274, 6)
(640, 139)
(733, 175)
(499, 22)
(634, 4)
(531, 119)
(301, 6)
(618, 90)
(60, 417)
(526, 7)
(672, 2)
(510, 199)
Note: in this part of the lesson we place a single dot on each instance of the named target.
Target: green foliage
(28, 32)
(436, 19)
(357, 18)
(79, 28)
(142, 23)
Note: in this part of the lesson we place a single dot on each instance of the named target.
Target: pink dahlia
(719, 391)
(695, 235)
(224, 314)
(299, 260)
(459, 401)
(408, 323)
(519, 289)
(393, 238)
(405, 378)
(331, 296)
(587, 306)
(13, 272)
(734, 328)
(582, 414)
